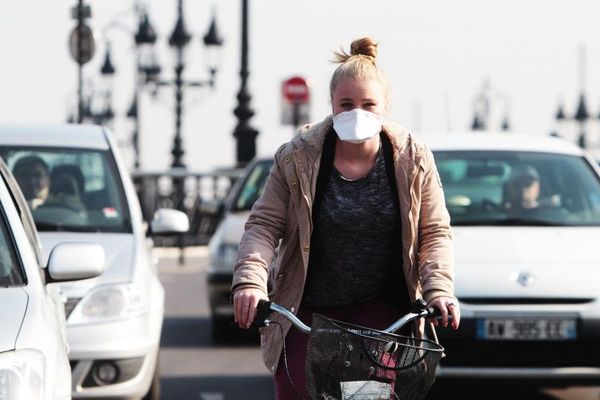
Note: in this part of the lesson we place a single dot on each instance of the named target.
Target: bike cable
(285, 363)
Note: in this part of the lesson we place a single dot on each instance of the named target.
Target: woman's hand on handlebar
(245, 301)
(446, 306)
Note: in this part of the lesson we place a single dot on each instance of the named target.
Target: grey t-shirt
(356, 240)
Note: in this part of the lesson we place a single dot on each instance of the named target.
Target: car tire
(154, 391)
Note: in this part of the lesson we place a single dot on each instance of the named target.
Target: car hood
(118, 250)
(12, 312)
(527, 262)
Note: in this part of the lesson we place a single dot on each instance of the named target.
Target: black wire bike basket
(350, 362)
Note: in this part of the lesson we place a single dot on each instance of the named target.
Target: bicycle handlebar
(418, 310)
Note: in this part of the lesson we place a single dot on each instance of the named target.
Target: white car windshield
(519, 188)
(70, 189)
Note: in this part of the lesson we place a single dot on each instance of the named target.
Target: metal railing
(204, 194)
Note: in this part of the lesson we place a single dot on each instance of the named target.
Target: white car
(224, 244)
(114, 321)
(33, 351)
(527, 267)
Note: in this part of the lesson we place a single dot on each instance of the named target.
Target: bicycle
(351, 362)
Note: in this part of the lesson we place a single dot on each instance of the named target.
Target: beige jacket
(284, 212)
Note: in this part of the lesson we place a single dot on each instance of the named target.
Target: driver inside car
(31, 172)
(522, 193)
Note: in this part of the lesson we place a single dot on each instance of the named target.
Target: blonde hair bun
(365, 46)
(360, 47)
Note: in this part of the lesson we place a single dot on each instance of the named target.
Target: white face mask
(357, 125)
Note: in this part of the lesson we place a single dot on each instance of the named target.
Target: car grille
(524, 354)
(70, 305)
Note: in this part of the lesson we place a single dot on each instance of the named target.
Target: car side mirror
(75, 261)
(167, 221)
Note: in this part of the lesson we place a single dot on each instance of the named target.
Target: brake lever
(263, 310)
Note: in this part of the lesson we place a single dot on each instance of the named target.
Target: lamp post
(483, 104)
(95, 105)
(146, 69)
(581, 116)
(178, 40)
(245, 135)
(82, 47)
(107, 71)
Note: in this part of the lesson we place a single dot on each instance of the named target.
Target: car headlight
(22, 375)
(109, 302)
(226, 256)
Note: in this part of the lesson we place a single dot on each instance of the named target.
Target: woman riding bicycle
(356, 208)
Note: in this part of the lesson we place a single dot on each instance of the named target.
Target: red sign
(295, 90)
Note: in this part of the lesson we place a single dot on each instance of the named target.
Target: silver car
(33, 350)
(223, 246)
(78, 190)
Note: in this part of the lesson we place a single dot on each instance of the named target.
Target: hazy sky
(436, 53)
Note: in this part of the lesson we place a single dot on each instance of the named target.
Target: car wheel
(154, 391)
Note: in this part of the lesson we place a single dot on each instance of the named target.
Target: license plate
(365, 390)
(526, 329)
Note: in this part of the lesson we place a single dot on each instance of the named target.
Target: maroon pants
(376, 313)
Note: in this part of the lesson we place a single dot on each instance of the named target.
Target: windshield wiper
(56, 227)
(512, 221)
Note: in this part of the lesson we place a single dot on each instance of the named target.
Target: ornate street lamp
(107, 71)
(213, 41)
(82, 47)
(487, 100)
(477, 124)
(146, 69)
(244, 133)
(145, 38)
(97, 103)
(581, 116)
(179, 40)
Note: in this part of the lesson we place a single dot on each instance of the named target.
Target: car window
(70, 189)
(521, 188)
(11, 273)
(252, 186)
